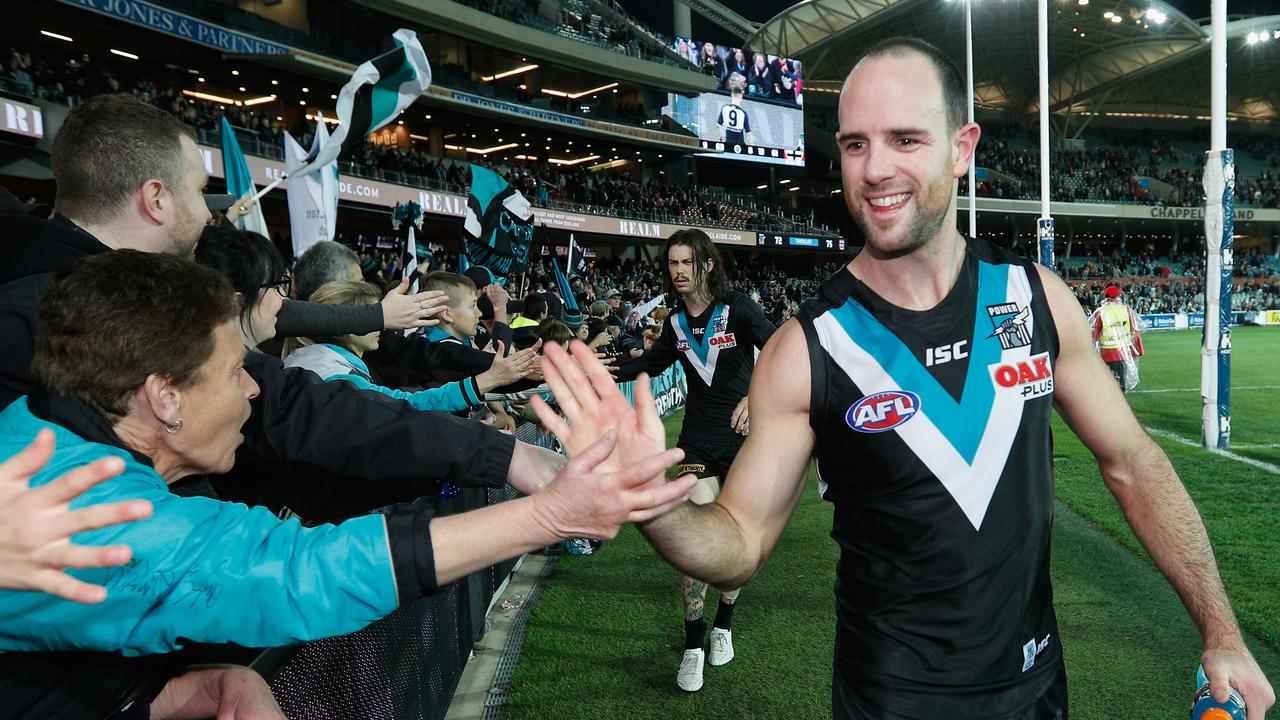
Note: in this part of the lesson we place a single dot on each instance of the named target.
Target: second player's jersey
(734, 119)
(933, 443)
(717, 350)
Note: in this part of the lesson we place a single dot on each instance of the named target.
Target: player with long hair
(714, 334)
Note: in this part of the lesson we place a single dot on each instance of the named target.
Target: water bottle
(1204, 707)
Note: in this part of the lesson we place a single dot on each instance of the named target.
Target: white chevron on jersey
(971, 485)
(706, 369)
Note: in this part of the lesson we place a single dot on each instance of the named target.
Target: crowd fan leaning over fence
(169, 399)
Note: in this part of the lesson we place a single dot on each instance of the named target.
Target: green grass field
(605, 638)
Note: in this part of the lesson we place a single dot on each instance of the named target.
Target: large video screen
(756, 112)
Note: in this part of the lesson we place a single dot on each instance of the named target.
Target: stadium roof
(1139, 58)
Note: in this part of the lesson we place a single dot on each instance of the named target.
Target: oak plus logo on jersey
(1029, 378)
(882, 411)
(724, 341)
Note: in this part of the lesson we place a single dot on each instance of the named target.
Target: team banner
(311, 215)
(1215, 348)
(670, 388)
(376, 93)
(576, 260)
(499, 224)
(240, 181)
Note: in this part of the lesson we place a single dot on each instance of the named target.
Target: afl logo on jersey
(682, 346)
(882, 411)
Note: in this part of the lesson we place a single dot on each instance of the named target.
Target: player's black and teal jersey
(933, 443)
(736, 124)
(718, 352)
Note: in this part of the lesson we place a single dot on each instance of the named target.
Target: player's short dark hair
(954, 93)
(717, 281)
(107, 148)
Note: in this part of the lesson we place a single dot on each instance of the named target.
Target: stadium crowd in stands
(577, 21)
(260, 133)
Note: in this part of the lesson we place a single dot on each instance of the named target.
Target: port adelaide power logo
(1010, 323)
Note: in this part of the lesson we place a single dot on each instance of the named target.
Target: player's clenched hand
(740, 422)
(36, 524)
(1237, 669)
(592, 404)
(584, 501)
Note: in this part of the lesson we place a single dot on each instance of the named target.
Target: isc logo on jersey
(726, 340)
(1030, 378)
(882, 411)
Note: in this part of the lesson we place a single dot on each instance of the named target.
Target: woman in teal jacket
(143, 361)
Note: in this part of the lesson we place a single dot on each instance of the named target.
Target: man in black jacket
(131, 176)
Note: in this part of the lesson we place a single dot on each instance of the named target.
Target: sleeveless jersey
(718, 352)
(933, 443)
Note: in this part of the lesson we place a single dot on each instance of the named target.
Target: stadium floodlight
(508, 73)
(56, 36)
(1156, 16)
(1115, 18)
(258, 100)
(784, 181)
(762, 187)
(1108, 14)
(275, 82)
(1251, 38)
(1082, 2)
(558, 161)
(124, 54)
(235, 72)
(210, 98)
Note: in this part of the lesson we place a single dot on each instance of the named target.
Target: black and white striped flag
(376, 93)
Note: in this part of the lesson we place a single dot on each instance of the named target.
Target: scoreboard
(778, 155)
(799, 242)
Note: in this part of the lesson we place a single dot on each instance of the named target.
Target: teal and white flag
(310, 218)
(328, 179)
(376, 93)
(240, 180)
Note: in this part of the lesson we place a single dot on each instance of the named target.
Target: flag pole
(271, 186)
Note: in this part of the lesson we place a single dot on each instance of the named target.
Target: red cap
(1112, 291)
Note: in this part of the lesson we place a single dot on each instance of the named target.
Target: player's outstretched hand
(36, 524)
(592, 404)
(1237, 669)
(586, 501)
(402, 310)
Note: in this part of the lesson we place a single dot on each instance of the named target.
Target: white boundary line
(1265, 466)
(1196, 390)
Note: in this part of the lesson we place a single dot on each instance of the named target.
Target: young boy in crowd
(459, 323)
(461, 318)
